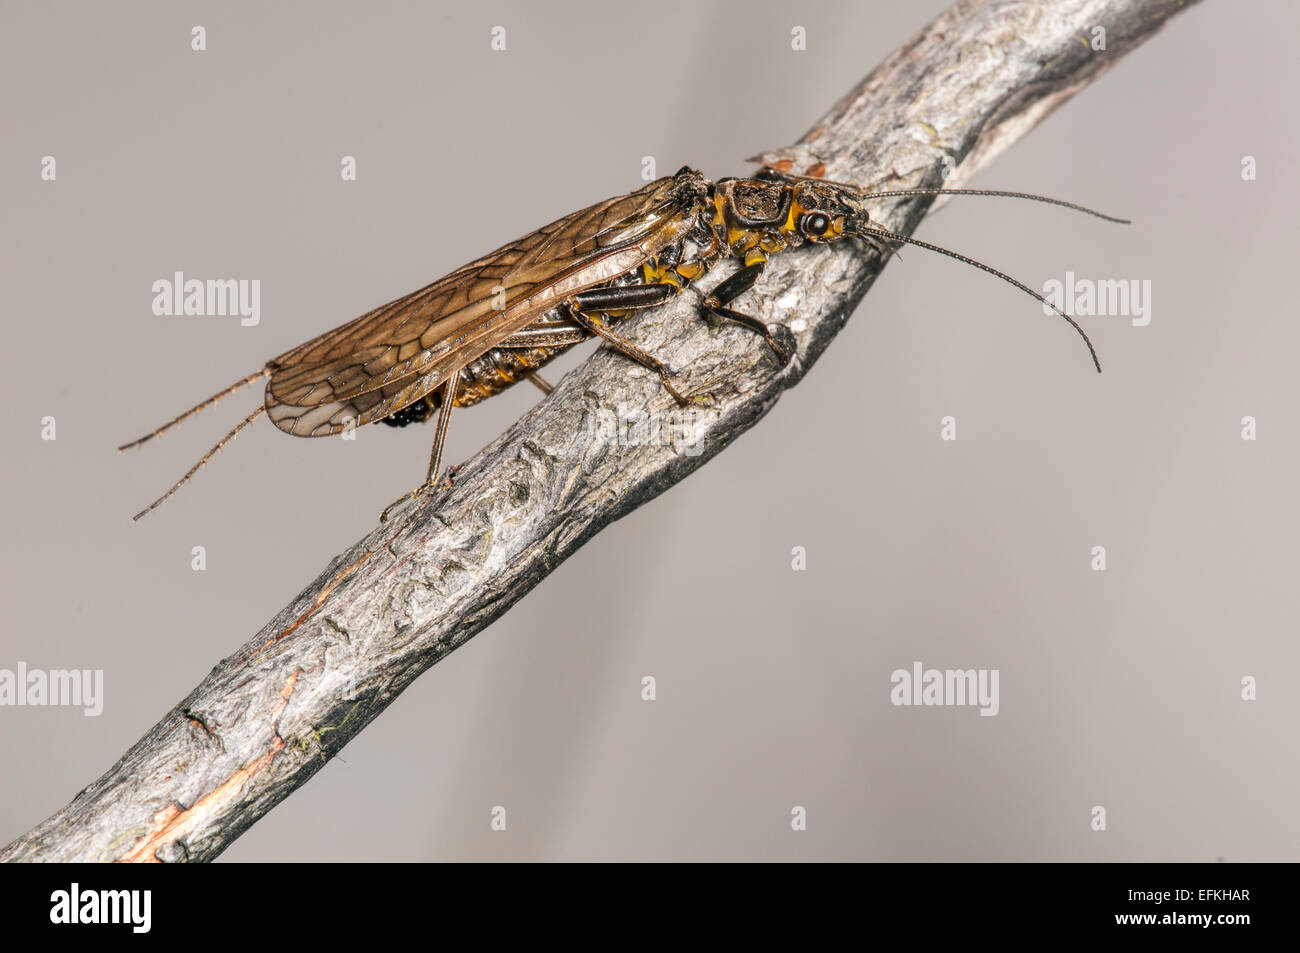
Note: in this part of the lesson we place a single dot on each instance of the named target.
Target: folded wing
(389, 357)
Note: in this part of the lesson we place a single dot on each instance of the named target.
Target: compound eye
(814, 224)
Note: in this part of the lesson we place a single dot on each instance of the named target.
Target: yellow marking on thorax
(741, 239)
(791, 220)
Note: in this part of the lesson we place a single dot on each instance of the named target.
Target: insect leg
(542, 383)
(626, 296)
(547, 334)
(716, 301)
(435, 455)
(440, 432)
(619, 298)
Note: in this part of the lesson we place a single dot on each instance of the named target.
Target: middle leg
(584, 305)
(716, 301)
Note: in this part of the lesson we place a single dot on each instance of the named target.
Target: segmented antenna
(202, 460)
(886, 234)
(195, 409)
(769, 173)
(902, 193)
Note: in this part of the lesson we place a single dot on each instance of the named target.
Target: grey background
(1118, 689)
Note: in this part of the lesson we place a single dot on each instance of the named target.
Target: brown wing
(387, 358)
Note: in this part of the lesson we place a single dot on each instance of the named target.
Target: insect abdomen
(484, 377)
(496, 370)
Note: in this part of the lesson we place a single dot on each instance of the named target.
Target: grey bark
(408, 594)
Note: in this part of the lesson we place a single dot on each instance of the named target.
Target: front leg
(716, 301)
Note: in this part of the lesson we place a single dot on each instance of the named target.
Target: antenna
(877, 232)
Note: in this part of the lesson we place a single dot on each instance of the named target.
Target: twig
(267, 718)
